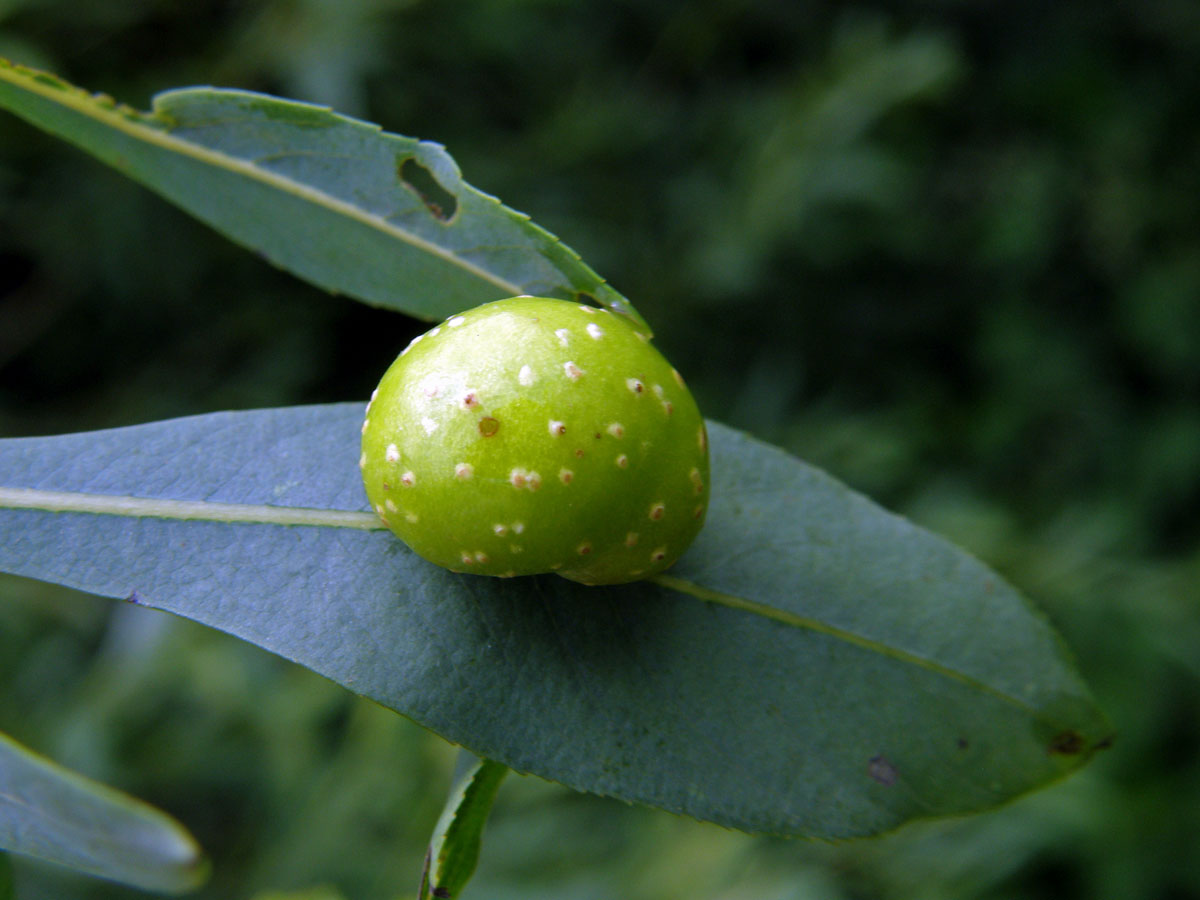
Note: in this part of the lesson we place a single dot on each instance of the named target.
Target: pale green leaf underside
(339, 202)
(454, 847)
(813, 665)
(60, 816)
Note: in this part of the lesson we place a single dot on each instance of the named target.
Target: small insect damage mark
(488, 426)
(441, 204)
(1067, 743)
(881, 769)
(443, 893)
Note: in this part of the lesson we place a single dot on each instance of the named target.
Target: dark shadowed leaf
(814, 665)
(57, 815)
(339, 202)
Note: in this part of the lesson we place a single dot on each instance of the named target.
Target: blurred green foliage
(948, 251)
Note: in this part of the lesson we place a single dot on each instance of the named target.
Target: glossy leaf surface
(813, 665)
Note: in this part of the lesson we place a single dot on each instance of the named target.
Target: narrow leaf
(59, 816)
(813, 665)
(339, 202)
(454, 848)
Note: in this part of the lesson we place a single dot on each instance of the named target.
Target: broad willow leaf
(813, 666)
(454, 848)
(57, 815)
(339, 202)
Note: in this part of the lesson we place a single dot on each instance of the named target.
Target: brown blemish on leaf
(1067, 743)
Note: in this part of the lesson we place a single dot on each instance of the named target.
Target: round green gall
(532, 435)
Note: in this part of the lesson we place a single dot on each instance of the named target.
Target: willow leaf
(454, 848)
(59, 816)
(337, 201)
(813, 665)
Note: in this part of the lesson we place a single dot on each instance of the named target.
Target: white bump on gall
(366, 425)
(572, 371)
(566, 476)
(525, 376)
(480, 556)
(434, 332)
(584, 549)
(657, 511)
(467, 558)
(408, 479)
(634, 385)
(557, 428)
(500, 529)
(564, 336)
(659, 555)
(391, 505)
(464, 471)
(622, 461)
(517, 478)
(362, 460)
(470, 400)
(392, 453)
(412, 517)
(455, 321)
(631, 539)
(518, 527)
(590, 310)
(678, 378)
(616, 429)
(533, 481)
(697, 481)
(429, 425)
(595, 332)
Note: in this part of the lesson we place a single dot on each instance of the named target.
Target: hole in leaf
(418, 179)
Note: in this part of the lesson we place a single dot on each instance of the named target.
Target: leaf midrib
(87, 106)
(185, 510)
(265, 514)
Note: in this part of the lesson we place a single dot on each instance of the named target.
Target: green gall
(532, 435)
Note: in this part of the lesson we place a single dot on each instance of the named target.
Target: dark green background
(947, 250)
